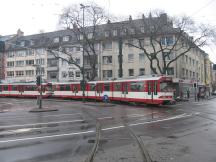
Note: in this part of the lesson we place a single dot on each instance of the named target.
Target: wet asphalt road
(182, 132)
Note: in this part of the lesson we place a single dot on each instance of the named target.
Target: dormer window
(22, 43)
(56, 40)
(66, 38)
(115, 32)
(106, 33)
(32, 42)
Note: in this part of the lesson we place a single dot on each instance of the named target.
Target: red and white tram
(149, 90)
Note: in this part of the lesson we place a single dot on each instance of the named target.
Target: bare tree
(83, 23)
(164, 40)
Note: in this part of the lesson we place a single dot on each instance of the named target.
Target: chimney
(108, 22)
(20, 33)
(130, 18)
(143, 16)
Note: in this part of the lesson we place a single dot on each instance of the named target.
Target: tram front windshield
(166, 86)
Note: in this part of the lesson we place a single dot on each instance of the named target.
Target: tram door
(152, 90)
(124, 90)
(99, 90)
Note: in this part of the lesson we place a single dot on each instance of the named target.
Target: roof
(46, 39)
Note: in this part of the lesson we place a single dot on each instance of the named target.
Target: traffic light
(2, 46)
(38, 80)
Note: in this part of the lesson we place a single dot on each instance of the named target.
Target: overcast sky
(31, 16)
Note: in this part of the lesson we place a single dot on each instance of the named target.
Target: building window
(56, 40)
(190, 60)
(40, 51)
(32, 43)
(186, 59)
(66, 38)
(40, 71)
(77, 60)
(141, 71)
(141, 57)
(193, 74)
(130, 57)
(167, 40)
(142, 29)
(20, 53)
(71, 74)
(40, 62)
(29, 53)
(52, 62)
(29, 72)
(107, 59)
(64, 74)
(107, 73)
(10, 64)
(170, 71)
(132, 31)
(186, 73)
(19, 73)
(10, 73)
(183, 72)
(53, 75)
(124, 31)
(80, 37)
(168, 56)
(190, 74)
(90, 35)
(20, 63)
(29, 62)
(78, 74)
(106, 33)
(22, 43)
(131, 72)
(107, 45)
(115, 32)
(10, 54)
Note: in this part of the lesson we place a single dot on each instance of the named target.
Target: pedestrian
(188, 94)
(198, 96)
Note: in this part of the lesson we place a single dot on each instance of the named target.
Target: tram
(150, 90)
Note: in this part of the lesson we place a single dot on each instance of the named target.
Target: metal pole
(40, 98)
(83, 71)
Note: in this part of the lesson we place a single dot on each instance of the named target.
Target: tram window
(155, 88)
(75, 89)
(0, 88)
(50, 87)
(5, 87)
(14, 88)
(92, 87)
(67, 88)
(107, 87)
(99, 88)
(62, 88)
(149, 88)
(137, 86)
(117, 86)
(166, 86)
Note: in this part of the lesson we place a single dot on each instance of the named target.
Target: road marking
(52, 136)
(93, 131)
(14, 117)
(60, 122)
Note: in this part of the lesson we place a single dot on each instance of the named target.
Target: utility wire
(206, 5)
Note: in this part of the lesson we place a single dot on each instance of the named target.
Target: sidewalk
(192, 99)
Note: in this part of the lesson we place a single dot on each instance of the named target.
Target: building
(27, 56)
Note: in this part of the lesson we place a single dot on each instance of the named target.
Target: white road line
(93, 131)
(23, 125)
(52, 136)
(14, 117)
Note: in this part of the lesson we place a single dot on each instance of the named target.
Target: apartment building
(29, 57)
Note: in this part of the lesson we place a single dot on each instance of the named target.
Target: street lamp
(83, 44)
